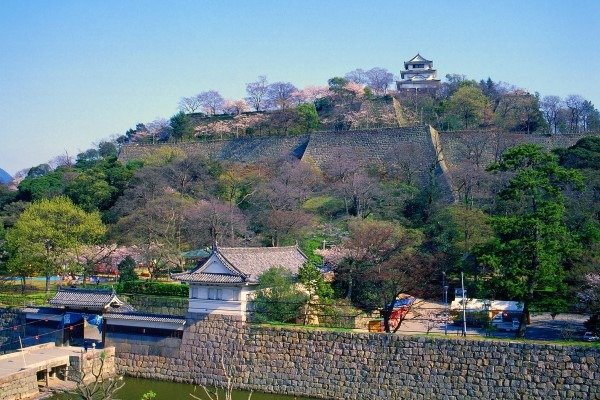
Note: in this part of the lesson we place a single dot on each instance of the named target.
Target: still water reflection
(136, 387)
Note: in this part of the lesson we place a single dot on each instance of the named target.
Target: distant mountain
(4, 176)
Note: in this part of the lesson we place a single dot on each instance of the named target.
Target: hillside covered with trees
(533, 239)
(362, 99)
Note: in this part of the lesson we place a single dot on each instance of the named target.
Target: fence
(420, 318)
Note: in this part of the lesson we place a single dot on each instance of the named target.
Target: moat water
(135, 387)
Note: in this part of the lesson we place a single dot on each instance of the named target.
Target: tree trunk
(350, 281)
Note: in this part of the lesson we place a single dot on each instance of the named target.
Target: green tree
(308, 116)
(337, 83)
(91, 191)
(181, 126)
(37, 187)
(47, 233)
(469, 104)
(127, 270)
(312, 279)
(519, 111)
(532, 241)
(457, 232)
(3, 252)
(277, 299)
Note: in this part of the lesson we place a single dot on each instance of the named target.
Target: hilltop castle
(418, 74)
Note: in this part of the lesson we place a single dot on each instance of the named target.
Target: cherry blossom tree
(235, 107)
(155, 130)
(357, 89)
(311, 93)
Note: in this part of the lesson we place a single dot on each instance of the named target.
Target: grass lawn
(11, 294)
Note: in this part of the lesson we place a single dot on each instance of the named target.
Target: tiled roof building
(418, 74)
(221, 284)
(86, 299)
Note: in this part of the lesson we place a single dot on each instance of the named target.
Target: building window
(215, 294)
(418, 65)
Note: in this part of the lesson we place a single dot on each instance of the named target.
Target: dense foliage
(380, 229)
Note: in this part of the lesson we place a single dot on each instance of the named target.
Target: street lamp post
(447, 312)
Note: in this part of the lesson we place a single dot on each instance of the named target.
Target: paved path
(36, 357)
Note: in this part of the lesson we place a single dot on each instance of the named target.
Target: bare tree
(357, 76)
(587, 112)
(280, 95)
(210, 221)
(94, 382)
(189, 104)
(256, 93)
(211, 101)
(227, 388)
(379, 79)
(575, 104)
(551, 106)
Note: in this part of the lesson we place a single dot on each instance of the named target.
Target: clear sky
(75, 72)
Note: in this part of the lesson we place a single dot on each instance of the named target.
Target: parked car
(590, 337)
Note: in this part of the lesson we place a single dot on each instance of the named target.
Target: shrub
(277, 300)
(153, 288)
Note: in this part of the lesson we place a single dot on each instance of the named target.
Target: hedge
(153, 288)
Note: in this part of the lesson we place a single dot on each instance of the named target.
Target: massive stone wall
(467, 154)
(244, 149)
(345, 365)
(457, 160)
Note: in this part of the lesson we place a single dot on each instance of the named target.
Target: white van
(499, 323)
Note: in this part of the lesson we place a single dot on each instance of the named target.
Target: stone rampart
(246, 149)
(457, 160)
(19, 386)
(345, 365)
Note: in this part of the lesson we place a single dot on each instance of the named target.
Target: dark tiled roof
(246, 264)
(88, 298)
(417, 60)
(253, 261)
(145, 317)
(205, 277)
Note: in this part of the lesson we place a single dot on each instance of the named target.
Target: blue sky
(75, 72)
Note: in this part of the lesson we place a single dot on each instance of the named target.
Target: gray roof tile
(209, 278)
(87, 298)
(253, 261)
(145, 317)
(247, 263)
